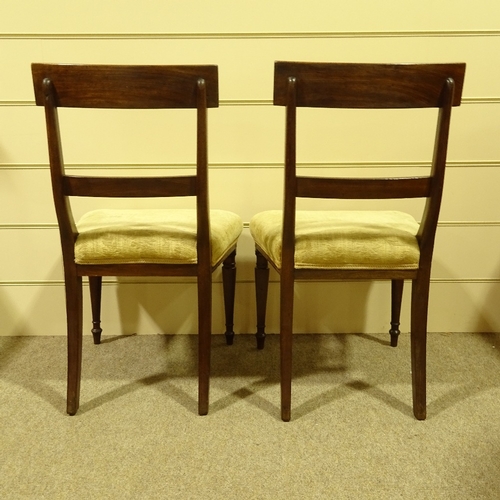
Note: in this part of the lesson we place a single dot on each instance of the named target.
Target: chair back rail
(128, 87)
(351, 188)
(353, 85)
(130, 187)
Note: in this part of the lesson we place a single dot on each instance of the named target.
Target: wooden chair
(348, 245)
(137, 242)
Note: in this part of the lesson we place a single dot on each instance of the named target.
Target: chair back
(126, 87)
(367, 86)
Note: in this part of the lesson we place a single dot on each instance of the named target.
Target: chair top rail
(127, 87)
(365, 85)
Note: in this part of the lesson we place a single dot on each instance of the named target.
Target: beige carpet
(352, 434)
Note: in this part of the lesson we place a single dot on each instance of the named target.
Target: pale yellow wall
(246, 148)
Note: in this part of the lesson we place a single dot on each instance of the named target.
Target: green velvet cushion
(150, 236)
(342, 239)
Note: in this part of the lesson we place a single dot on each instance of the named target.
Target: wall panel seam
(237, 165)
(49, 283)
(28, 225)
(251, 34)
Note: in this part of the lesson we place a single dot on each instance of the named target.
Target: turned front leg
(229, 286)
(261, 287)
(396, 299)
(95, 286)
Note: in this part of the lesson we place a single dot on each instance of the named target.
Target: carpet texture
(352, 435)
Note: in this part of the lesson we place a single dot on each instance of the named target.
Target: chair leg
(229, 286)
(204, 339)
(396, 299)
(286, 337)
(95, 286)
(261, 287)
(74, 313)
(419, 310)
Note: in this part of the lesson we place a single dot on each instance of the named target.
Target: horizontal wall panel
(31, 254)
(463, 253)
(474, 133)
(460, 254)
(94, 16)
(26, 196)
(319, 308)
(470, 193)
(32, 310)
(464, 307)
(236, 134)
(24, 140)
(246, 65)
(246, 134)
(365, 307)
(324, 307)
(126, 309)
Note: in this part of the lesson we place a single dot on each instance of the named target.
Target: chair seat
(342, 239)
(153, 236)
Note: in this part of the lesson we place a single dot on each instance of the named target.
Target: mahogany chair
(137, 242)
(352, 245)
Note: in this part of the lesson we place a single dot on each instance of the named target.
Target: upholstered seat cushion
(150, 236)
(342, 239)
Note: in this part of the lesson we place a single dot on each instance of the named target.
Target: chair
(137, 242)
(352, 245)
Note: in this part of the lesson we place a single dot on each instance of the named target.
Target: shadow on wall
(12, 322)
(160, 307)
(333, 307)
(489, 319)
(27, 310)
(149, 306)
(472, 307)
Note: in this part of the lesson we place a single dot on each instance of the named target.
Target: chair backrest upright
(126, 87)
(368, 86)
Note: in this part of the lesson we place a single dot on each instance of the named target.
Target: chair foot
(71, 408)
(261, 337)
(285, 415)
(96, 333)
(420, 414)
(229, 338)
(394, 333)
